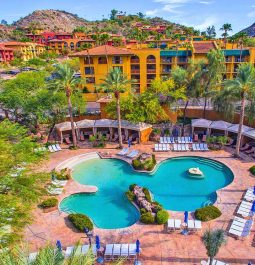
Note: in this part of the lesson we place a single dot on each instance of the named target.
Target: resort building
(6, 54)
(143, 65)
(24, 50)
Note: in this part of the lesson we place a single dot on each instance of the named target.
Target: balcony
(239, 60)
(151, 61)
(117, 61)
(166, 71)
(135, 61)
(135, 71)
(166, 61)
(182, 60)
(151, 71)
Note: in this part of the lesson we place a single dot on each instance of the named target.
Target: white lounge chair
(132, 251)
(58, 147)
(123, 152)
(116, 251)
(165, 140)
(54, 148)
(168, 140)
(206, 147)
(61, 183)
(32, 257)
(133, 154)
(170, 225)
(198, 147)
(179, 147)
(187, 147)
(183, 147)
(51, 149)
(172, 140)
(215, 262)
(194, 148)
(156, 148)
(108, 252)
(124, 250)
(175, 148)
(202, 147)
(161, 140)
(164, 147)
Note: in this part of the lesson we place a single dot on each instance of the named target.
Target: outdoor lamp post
(89, 234)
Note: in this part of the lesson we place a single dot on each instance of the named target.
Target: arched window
(72, 46)
(135, 59)
(151, 59)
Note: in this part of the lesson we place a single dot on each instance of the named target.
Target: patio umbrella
(254, 190)
(97, 242)
(59, 245)
(137, 246)
(186, 216)
(129, 142)
(253, 207)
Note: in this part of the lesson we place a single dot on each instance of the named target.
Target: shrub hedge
(48, 203)
(252, 170)
(80, 221)
(147, 195)
(132, 186)
(207, 213)
(147, 218)
(130, 195)
(162, 217)
(137, 164)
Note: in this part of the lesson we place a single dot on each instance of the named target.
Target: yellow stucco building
(142, 64)
(26, 50)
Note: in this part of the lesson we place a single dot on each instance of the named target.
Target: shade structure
(137, 246)
(97, 242)
(250, 134)
(234, 128)
(220, 125)
(85, 124)
(59, 245)
(186, 216)
(201, 123)
(64, 127)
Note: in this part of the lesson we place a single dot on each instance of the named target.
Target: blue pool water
(170, 185)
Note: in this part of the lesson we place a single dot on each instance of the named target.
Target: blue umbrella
(137, 246)
(253, 207)
(59, 246)
(129, 142)
(186, 216)
(97, 242)
(254, 190)
(249, 263)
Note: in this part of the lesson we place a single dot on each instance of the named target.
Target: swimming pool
(170, 184)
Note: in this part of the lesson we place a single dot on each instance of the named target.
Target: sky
(196, 13)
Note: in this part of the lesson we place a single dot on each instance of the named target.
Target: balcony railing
(166, 61)
(166, 71)
(151, 71)
(135, 71)
(134, 61)
(149, 80)
(117, 61)
(151, 61)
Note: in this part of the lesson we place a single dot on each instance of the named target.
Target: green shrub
(80, 221)
(147, 218)
(162, 217)
(143, 211)
(157, 206)
(130, 195)
(147, 194)
(137, 164)
(48, 203)
(207, 213)
(64, 174)
(252, 170)
(132, 186)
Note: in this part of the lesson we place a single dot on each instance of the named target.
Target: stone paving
(158, 247)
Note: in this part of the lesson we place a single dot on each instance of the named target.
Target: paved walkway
(158, 247)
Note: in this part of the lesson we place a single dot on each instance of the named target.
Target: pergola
(201, 123)
(220, 126)
(65, 128)
(250, 134)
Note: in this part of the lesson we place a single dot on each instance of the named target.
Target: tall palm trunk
(205, 105)
(70, 109)
(119, 119)
(241, 119)
(211, 260)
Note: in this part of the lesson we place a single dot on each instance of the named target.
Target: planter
(50, 209)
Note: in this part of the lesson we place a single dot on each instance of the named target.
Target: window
(135, 59)
(117, 60)
(89, 70)
(88, 60)
(90, 80)
(72, 46)
(151, 59)
(102, 60)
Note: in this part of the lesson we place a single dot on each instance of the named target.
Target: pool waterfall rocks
(169, 183)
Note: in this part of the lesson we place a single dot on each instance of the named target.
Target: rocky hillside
(51, 20)
(250, 30)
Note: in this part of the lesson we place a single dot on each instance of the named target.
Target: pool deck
(157, 246)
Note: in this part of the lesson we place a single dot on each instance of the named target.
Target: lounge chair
(156, 148)
(123, 152)
(206, 147)
(54, 191)
(215, 262)
(179, 148)
(124, 250)
(161, 140)
(179, 140)
(51, 149)
(186, 147)
(194, 148)
(190, 140)
(67, 140)
(164, 147)
(108, 252)
(168, 140)
(173, 224)
(167, 147)
(201, 146)
(183, 141)
(165, 140)
(132, 251)
(186, 140)
(73, 250)
(183, 147)
(172, 140)
(160, 147)
(116, 251)
(250, 151)
(54, 148)
(133, 154)
(175, 148)
(58, 147)
(61, 183)
(249, 195)
(245, 147)
(32, 257)
(198, 147)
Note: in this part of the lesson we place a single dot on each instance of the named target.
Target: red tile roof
(3, 48)
(103, 50)
(203, 47)
(16, 43)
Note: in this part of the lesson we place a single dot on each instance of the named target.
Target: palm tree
(241, 88)
(213, 241)
(67, 82)
(241, 38)
(116, 82)
(226, 28)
